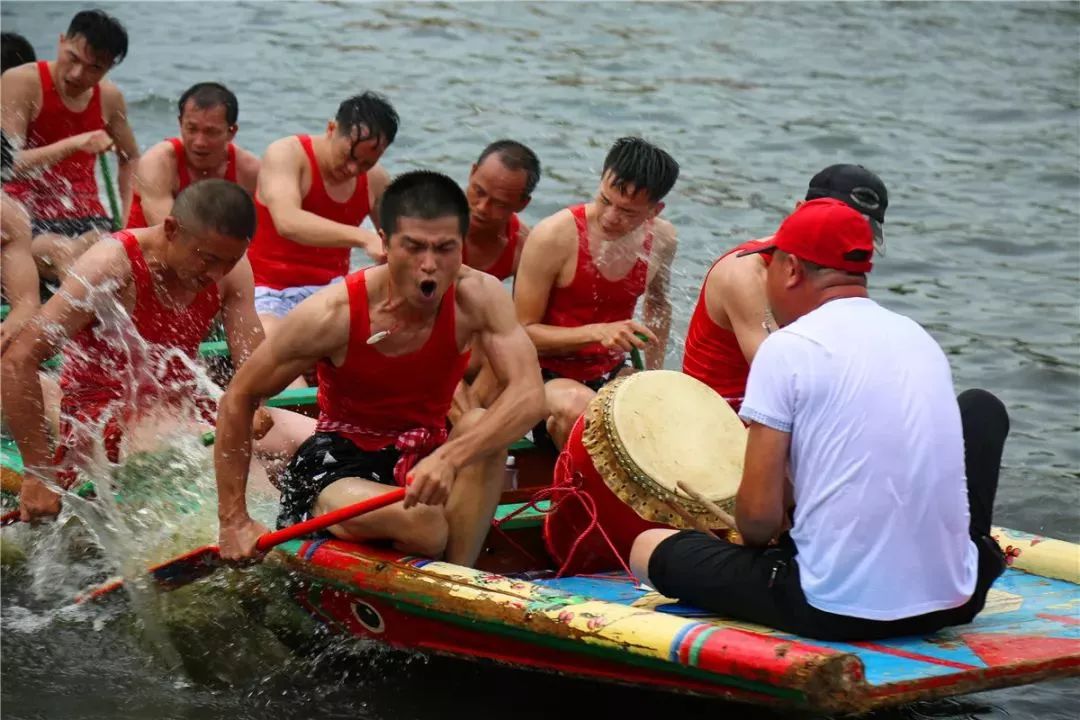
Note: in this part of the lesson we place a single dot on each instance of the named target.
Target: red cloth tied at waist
(412, 445)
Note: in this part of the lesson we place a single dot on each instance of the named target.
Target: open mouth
(427, 288)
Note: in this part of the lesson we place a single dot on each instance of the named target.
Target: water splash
(157, 502)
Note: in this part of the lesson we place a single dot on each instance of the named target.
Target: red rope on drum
(566, 491)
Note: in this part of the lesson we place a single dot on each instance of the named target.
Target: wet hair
(15, 50)
(216, 206)
(103, 33)
(515, 156)
(641, 166)
(425, 195)
(370, 111)
(208, 95)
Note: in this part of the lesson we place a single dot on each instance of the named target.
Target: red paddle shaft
(202, 561)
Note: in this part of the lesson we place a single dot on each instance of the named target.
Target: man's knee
(570, 402)
(642, 550)
(984, 406)
(427, 531)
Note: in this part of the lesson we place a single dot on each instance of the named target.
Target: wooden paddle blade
(169, 575)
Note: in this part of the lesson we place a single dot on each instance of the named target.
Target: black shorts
(323, 459)
(761, 585)
(540, 435)
(71, 227)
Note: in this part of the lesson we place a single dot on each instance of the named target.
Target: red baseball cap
(826, 232)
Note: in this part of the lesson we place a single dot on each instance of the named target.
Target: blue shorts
(280, 303)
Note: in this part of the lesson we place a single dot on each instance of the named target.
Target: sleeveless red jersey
(592, 298)
(111, 381)
(373, 399)
(280, 263)
(67, 189)
(137, 219)
(503, 267)
(712, 353)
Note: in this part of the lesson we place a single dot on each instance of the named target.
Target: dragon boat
(516, 609)
(525, 606)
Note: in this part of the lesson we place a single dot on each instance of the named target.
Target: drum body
(639, 437)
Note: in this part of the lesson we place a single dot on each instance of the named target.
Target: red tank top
(712, 353)
(137, 219)
(280, 263)
(592, 298)
(67, 189)
(149, 368)
(373, 398)
(503, 267)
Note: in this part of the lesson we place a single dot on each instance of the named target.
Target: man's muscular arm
(153, 179)
(127, 150)
(736, 288)
(18, 273)
(317, 328)
(280, 191)
(657, 303)
(243, 330)
(104, 268)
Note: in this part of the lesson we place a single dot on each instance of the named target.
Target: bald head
(215, 206)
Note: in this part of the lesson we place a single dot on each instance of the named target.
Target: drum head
(662, 427)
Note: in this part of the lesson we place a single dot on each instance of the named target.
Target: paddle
(635, 355)
(203, 561)
(106, 175)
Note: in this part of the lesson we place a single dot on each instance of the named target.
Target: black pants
(762, 585)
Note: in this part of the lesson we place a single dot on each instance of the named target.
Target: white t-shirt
(877, 460)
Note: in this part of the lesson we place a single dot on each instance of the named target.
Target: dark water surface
(969, 111)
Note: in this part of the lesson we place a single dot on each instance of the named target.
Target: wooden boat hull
(606, 628)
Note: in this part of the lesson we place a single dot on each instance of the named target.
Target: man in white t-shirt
(859, 400)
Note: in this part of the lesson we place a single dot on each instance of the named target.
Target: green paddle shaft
(106, 174)
(635, 355)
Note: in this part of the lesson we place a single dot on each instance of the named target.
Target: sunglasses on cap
(868, 200)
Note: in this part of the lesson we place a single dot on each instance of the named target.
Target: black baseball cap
(859, 188)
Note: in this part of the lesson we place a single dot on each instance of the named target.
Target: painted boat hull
(606, 628)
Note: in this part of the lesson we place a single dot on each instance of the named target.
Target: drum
(617, 475)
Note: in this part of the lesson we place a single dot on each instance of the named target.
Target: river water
(970, 112)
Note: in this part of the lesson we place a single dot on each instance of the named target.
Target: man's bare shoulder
(378, 177)
(110, 90)
(664, 238)
(26, 72)
(247, 168)
(106, 260)
(112, 99)
(21, 83)
(732, 272)
(475, 287)
(283, 148)
(160, 155)
(556, 233)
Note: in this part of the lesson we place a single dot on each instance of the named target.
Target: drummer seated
(886, 539)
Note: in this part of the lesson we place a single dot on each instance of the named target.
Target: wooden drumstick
(712, 507)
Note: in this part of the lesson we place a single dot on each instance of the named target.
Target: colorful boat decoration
(607, 627)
